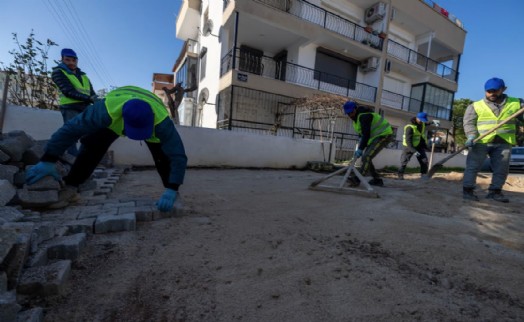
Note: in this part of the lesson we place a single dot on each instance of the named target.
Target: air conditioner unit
(369, 64)
(375, 12)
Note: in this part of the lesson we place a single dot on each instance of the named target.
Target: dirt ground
(258, 245)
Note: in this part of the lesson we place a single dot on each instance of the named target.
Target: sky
(124, 42)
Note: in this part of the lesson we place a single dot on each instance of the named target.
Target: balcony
(408, 104)
(420, 61)
(327, 20)
(292, 73)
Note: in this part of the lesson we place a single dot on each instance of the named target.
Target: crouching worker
(126, 111)
(375, 133)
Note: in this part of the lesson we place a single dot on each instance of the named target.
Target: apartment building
(252, 59)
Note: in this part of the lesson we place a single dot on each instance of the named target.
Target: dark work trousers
(92, 150)
(366, 165)
(422, 159)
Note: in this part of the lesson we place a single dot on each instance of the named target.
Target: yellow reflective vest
(116, 99)
(379, 126)
(487, 120)
(83, 87)
(416, 134)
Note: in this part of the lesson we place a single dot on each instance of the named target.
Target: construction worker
(414, 141)
(126, 111)
(375, 133)
(479, 118)
(76, 91)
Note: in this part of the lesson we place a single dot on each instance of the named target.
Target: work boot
(497, 196)
(469, 194)
(376, 182)
(400, 176)
(353, 182)
(66, 196)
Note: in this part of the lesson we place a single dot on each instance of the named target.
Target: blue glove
(358, 153)
(166, 202)
(469, 142)
(40, 170)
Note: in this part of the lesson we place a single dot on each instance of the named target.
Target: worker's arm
(365, 126)
(173, 147)
(470, 122)
(94, 118)
(66, 88)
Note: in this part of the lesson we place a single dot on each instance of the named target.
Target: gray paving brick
(115, 223)
(66, 247)
(80, 226)
(8, 306)
(32, 315)
(10, 214)
(7, 192)
(37, 198)
(39, 258)
(7, 172)
(45, 280)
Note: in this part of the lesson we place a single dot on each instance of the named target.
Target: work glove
(358, 153)
(167, 200)
(40, 170)
(469, 142)
(435, 122)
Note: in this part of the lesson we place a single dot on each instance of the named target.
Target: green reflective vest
(416, 134)
(116, 99)
(487, 120)
(83, 87)
(379, 126)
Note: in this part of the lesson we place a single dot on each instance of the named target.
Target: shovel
(440, 164)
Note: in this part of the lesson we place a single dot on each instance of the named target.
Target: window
(335, 69)
(203, 60)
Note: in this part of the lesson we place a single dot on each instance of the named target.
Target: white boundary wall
(209, 147)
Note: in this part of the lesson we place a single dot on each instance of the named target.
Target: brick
(8, 306)
(46, 183)
(45, 280)
(37, 198)
(10, 214)
(32, 315)
(66, 247)
(115, 223)
(7, 192)
(7, 172)
(80, 226)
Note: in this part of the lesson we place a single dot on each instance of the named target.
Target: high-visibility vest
(416, 134)
(83, 87)
(116, 99)
(379, 126)
(487, 120)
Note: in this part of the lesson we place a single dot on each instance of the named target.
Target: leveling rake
(340, 188)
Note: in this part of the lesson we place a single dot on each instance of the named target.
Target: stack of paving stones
(39, 244)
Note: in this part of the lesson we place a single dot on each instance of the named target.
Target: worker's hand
(417, 154)
(167, 200)
(40, 170)
(435, 122)
(93, 98)
(469, 143)
(358, 153)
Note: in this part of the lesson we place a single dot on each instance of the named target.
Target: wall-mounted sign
(242, 77)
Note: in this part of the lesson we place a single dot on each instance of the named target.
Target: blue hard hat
(494, 84)
(139, 119)
(423, 116)
(66, 52)
(349, 107)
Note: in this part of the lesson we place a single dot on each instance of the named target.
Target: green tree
(29, 75)
(457, 130)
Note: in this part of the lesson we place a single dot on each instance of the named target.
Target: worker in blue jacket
(126, 111)
(76, 90)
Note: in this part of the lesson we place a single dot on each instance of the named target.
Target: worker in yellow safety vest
(76, 90)
(479, 118)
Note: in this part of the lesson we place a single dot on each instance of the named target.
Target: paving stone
(8, 306)
(46, 183)
(118, 204)
(142, 213)
(37, 198)
(39, 258)
(7, 172)
(98, 213)
(66, 247)
(4, 157)
(115, 223)
(7, 240)
(3, 282)
(16, 145)
(32, 315)
(80, 226)
(10, 214)
(45, 280)
(14, 262)
(7, 192)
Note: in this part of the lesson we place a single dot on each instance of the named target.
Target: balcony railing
(330, 21)
(296, 74)
(404, 103)
(413, 58)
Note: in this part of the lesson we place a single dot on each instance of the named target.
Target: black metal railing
(400, 102)
(416, 59)
(296, 74)
(328, 20)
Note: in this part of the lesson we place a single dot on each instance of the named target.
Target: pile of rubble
(42, 231)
